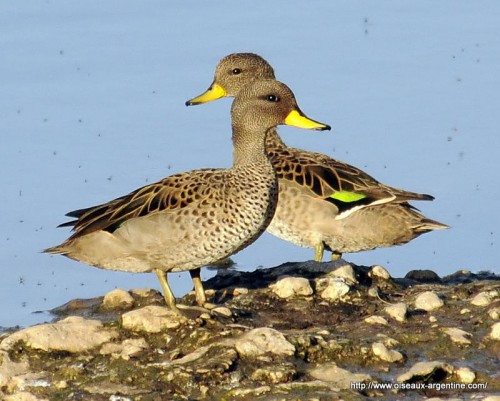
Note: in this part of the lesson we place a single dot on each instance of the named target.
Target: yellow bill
(213, 93)
(297, 119)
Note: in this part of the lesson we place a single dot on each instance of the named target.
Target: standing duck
(323, 202)
(197, 218)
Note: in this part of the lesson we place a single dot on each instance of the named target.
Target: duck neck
(249, 145)
(273, 140)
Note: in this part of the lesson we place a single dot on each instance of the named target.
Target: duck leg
(201, 299)
(319, 248)
(167, 292)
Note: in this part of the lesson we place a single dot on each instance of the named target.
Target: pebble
(222, 311)
(397, 311)
(144, 292)
(240, 291)
(424, 369)
(333, 288)
(432, 319)
(423, 276)
(465, 375)
(118, 299)
(261, 341)
(23, 396)
(464, 311)
(458, 335)
(380, 272)
(388, 341)
(375, 319)
(126, 349)
(373, 292)
(152, 319)
(253, 392)
(341, 378)
(346, 272)
(495, 331)
(484, 298)
(274, 374)
(494, 313)
(428, 301)
(380, 350)
(73, 334)
(288, 286)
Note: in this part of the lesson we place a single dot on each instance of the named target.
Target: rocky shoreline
(300, 331)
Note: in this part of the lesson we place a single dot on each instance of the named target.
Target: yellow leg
(201, 299)
(319, 248)
(336, 256)
(167, 292)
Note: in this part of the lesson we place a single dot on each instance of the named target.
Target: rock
(339, 377)
(261, 341)
(379, 272)
(428, 301)
(397, 311)
(118, 299)
(464, 311)
(288, 286)
(380, 350)
(375, 319)
(152, 319)
(458, 335)
(10, 369)
(332, 289)
(495, 331)
(345, 272)
(432, 319)
(491, 398)
(126, 349)
(73, 334)
(425, 370)
(484, 298)
(22, 396)
(423, 276)
(465, 375)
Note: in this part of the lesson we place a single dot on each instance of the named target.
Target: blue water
(92, 106)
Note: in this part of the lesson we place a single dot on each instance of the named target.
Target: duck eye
(236, 71)
(273, 98)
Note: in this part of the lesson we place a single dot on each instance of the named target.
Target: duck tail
(427, 225)
(56, 250)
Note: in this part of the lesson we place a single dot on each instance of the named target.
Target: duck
(196, 218)
(324, 203)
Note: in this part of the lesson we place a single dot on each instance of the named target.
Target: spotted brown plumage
(324, 202)
(197, 218)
